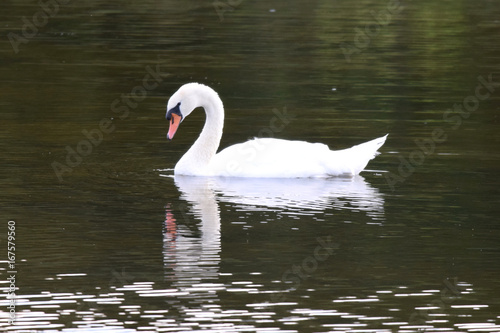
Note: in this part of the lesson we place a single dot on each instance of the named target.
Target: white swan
(260, 157)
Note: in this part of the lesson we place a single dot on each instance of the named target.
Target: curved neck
(204, 148)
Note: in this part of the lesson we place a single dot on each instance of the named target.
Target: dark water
(106, 239)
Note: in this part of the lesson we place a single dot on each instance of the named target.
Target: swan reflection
(295, 195)
(192, 247)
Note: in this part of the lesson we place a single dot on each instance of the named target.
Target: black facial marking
(176, 110)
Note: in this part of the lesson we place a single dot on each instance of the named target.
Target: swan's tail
(371, 147)
(353, 160)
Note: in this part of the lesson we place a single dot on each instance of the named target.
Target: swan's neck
(198, 157)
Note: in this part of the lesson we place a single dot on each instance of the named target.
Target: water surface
(111, 240)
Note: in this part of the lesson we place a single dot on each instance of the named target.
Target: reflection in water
(192, 257)
(192, 249)
(192, 252)
(300, 195)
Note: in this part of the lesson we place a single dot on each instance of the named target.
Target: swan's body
(260, 157)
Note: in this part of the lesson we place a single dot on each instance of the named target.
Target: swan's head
(179, 106)
(182, 103)
(174, 116)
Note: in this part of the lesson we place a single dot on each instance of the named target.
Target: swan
(260, 157)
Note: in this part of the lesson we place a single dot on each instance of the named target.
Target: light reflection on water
(197, 307)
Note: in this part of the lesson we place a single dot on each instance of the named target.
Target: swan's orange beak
(175, 120)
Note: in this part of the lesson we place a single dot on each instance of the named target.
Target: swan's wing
(268, 157)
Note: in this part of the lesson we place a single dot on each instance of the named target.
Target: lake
(100, 235)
